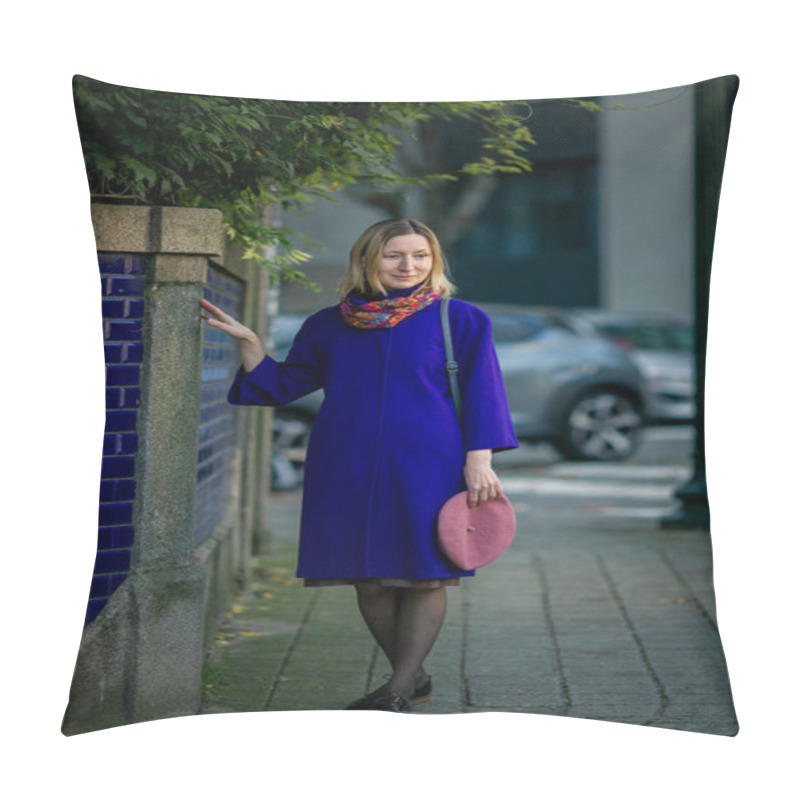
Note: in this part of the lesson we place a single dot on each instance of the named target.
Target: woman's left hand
(482, 483)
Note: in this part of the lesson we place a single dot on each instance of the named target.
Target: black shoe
(421, 694)
(386, 699)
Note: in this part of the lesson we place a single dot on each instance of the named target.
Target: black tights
(405, 623)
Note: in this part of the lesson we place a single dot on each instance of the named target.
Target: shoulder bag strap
(452, 364)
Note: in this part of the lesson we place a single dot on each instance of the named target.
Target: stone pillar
(256, 482)
(168, 588)
(143, 659)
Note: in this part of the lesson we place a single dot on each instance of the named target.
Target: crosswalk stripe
(623, 472)
(608, 489)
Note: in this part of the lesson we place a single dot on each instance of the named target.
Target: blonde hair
(365, 256)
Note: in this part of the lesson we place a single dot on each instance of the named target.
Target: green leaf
(241, 154)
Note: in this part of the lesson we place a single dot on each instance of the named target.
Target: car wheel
(290, 433)
(602, 425)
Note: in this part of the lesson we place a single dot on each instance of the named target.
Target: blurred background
(585, 263)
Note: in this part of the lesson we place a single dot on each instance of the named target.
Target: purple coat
(386, 450)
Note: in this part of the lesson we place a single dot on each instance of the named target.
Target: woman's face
(406, 261)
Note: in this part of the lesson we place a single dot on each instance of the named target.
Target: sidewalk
(585, 616)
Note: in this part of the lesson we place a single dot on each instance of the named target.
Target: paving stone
(583, 617)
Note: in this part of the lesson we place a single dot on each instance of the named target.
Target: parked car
(661, 345)
(576, 390)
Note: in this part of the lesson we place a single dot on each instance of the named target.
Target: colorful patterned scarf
(384, 313)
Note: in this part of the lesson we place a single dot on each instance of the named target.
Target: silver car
(576, 390)
(661, 345)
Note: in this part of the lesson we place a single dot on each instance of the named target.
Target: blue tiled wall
(215, 440)
(122, 278)
(122, 281)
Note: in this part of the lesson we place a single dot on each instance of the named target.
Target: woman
(387, 448)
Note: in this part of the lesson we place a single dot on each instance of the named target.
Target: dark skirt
(400, 583)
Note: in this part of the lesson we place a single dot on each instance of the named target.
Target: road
(640, 488)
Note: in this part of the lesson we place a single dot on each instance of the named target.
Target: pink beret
(472, 537)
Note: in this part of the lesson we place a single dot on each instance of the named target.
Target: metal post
(712, 113)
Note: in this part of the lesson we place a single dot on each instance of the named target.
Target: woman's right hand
(225, 322)
(251, 350)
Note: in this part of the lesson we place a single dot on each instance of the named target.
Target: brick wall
(122, 282)
(215, 437)
(180, 502)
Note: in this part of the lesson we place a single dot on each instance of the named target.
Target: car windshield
(651, 336)
(525, 327)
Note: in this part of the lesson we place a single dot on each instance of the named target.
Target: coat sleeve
(485, 416)
(276, 383)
